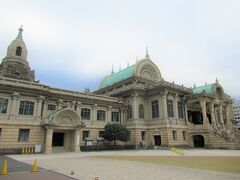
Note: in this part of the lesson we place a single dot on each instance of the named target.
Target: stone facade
(156, 112)
(236, 114)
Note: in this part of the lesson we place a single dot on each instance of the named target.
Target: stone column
(44, 108)
(221, 116)
(73, 105)
(213, 114)
(176, 107)
(164, 104)
(122, 116)
(79, 109)
(13, 111)
(39, 106)
(186, 113)
(94, 112)
(109, 114)
(60, 104)
(76, 147)
(134, 107)
(48, 140)
(204, 112)
(229, 123)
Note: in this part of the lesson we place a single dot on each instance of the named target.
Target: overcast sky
(72, 44)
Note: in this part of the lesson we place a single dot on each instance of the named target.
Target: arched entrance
(58, 139)
(198, 141)
(63, 131)
(157, 140)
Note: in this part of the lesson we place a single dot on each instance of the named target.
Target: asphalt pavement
(15, 166)
(22, 171)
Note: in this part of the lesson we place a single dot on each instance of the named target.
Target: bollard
(31, 150)
(34, 167)
(4, 168)
(25, 150)
(22, 150)
(96, 178)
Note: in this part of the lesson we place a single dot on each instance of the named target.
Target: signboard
(89, 143)
(38, 148)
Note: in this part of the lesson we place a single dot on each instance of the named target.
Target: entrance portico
(63, 129)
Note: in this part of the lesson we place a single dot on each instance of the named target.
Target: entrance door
(198, 141)
(157, 140)
(58, 139)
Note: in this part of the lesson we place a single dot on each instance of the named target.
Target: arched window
(219, 92)
(170, 108)
(129, 112)
(218, 116)
(18, 51)
(141, 111)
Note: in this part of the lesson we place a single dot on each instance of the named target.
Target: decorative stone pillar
(60, 104)
(44, 108)
(78, 109)
(213, 114)
(176, 107)
(94, 112)
(229, 123)
(122, 116)
(134, 106)
(221, 117)
(39, 106)
(109, 114)
(204, 112)
(186, 113)
(13, 111)
(164, 103)
(76, 147)
(72, 106)
(48, 140)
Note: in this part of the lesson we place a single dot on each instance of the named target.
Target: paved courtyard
(87, 166)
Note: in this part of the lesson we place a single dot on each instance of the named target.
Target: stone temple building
(156, 112)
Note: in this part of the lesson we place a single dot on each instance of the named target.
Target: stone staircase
(216, 137)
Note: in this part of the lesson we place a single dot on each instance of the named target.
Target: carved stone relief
(148, 72)
(65, 120)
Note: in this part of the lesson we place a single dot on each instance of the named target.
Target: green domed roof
(207, 88)
(117, 77)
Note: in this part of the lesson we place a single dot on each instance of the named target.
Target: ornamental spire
(147, 55)
(112, 69)
(20, 30)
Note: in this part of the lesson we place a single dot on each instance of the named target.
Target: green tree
(115, 132)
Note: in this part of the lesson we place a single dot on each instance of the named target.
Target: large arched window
(141, 111)
(129, 112)
(170, 108)
(18, 51)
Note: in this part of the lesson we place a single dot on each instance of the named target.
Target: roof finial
(217, 80)
(20, 30)
(194, 86)
(112, 69)
(128, 64)
(136, 59)
(147, 55)
(120, 67)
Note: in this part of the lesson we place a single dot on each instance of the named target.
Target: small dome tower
(15, 64)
